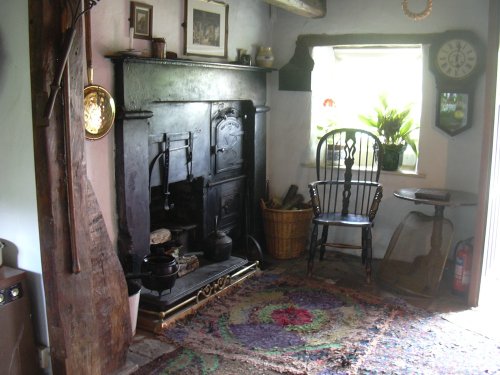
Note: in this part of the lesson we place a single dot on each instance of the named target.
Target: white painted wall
(18, 210)
(448, 162)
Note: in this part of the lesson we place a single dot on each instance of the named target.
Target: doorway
(485, 277)
(490, 272)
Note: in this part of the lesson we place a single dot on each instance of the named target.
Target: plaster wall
(248, 27)
(444, 162)
(18, 209)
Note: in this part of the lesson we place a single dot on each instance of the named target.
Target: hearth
(190, 148)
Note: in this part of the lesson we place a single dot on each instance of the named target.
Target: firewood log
(291, 193)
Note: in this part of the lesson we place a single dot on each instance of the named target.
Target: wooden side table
(422, 274)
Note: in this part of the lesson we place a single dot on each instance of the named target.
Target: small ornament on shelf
(265, 57)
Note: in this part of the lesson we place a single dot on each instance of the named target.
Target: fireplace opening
(180, 200)
(190, 148)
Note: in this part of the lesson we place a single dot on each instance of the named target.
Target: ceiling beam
(306, 8)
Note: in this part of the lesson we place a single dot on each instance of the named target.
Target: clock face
(457, 59)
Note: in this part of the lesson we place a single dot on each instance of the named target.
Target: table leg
(435, 256)
(437, 229)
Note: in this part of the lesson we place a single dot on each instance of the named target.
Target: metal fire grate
(416, 256)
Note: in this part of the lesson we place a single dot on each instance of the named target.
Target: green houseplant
(395, 128)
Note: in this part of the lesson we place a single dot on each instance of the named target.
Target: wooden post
(85, 288)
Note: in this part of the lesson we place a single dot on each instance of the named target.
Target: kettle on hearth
(218, 245)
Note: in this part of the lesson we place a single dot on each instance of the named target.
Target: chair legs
(324, 238)
(366, 254)
(312, 249)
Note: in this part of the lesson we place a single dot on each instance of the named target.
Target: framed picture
(141, 19)
(454, 112)
(205, 28)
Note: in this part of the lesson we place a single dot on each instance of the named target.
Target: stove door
(225, 199)
(228, 142)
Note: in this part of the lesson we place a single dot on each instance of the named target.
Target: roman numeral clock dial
(456, 59)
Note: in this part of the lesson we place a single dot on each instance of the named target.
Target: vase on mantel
(265, 57)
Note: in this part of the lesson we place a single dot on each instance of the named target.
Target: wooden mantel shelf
(189, 63)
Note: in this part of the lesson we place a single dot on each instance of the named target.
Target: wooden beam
(85, 288)
(306, 8)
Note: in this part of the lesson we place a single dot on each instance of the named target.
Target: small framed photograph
(205, 28)
(141, 19)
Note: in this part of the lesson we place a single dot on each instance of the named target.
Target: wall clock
(456, 59)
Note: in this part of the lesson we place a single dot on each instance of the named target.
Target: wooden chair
(347, 193)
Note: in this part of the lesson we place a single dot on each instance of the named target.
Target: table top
(457, 197)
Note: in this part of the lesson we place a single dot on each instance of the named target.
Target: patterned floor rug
(281, 324)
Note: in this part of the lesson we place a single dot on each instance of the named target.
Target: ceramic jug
(265, 57)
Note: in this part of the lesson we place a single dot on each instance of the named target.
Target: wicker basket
(287, 231)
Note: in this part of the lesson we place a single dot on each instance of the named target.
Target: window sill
(400, 172)
(405, 173)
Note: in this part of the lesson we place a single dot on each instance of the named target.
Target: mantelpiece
(182, 77)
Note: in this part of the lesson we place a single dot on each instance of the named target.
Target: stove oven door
(227, 141)
(226, 201)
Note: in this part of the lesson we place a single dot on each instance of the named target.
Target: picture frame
(205, 28)
(454, 111)
(141, 19)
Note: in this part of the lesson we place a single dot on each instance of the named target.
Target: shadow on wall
(3, 61)
(9, 256)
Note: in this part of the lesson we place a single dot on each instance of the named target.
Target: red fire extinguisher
(463, 265)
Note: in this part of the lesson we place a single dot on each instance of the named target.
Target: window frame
(371, 55)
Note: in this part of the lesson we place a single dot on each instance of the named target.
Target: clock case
(458, 92)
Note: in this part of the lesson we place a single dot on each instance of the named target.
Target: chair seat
(339, 219)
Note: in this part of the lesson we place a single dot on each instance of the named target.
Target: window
(349, 81)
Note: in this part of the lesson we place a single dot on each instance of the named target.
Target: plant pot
(393, 157)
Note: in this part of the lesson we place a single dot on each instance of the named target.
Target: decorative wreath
(417, 16)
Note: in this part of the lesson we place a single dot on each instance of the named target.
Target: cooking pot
(159, 272)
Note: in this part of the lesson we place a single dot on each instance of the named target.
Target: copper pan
(98, 105)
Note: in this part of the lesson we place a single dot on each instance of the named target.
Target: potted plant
(394, 128)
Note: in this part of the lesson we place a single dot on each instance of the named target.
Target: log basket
(286, 231)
